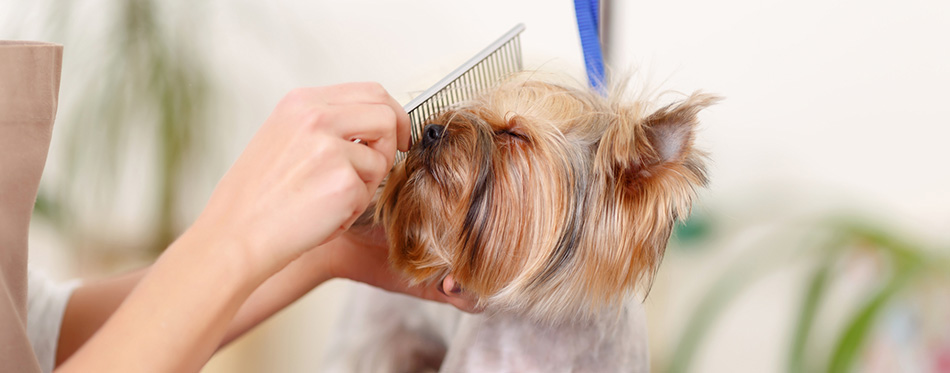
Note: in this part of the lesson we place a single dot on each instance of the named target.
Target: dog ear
(650, 169)
(658, 147)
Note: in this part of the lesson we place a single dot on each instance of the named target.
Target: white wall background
(829, 104)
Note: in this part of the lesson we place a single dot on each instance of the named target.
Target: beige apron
(29, 90)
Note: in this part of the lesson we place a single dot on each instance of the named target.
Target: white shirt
(46, 304)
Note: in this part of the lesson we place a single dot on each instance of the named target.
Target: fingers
(370, 165)
(370, 123)
(370, 93)
(365, 259)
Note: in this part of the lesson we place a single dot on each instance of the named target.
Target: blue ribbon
(588, 21)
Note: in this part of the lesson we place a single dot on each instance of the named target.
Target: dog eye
(512, 134)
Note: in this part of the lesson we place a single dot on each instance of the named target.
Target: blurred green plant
(142, 106)
(904, 265)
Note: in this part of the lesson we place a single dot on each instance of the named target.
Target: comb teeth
(496, 62)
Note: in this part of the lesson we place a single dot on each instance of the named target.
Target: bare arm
(177, 314)
(300, 182)
(355, 257)
(91, 305)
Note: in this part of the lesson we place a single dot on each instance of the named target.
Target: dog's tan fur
(545, 200)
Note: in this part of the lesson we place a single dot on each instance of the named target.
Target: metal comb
(499, 60)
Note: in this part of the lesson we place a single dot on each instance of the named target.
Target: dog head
(544, 199)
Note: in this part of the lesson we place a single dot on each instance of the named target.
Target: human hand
(303, 180)
(362, 254)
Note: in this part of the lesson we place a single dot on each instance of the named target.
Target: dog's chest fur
(386, 332)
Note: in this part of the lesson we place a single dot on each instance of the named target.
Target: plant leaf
(720, 295)
(862, 323)
(817, 284)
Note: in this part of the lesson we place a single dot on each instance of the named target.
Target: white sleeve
(45, 308)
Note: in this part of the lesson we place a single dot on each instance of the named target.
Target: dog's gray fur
(383, 332)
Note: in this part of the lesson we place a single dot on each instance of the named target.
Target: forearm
(177, 315)
(88, 309)
(91, 305)
(280, 290)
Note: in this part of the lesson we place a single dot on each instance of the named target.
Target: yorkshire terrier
(552, 205)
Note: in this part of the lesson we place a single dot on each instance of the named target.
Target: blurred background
(822, 243)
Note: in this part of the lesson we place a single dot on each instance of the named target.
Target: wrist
(322, 260)
(347, 258)
(231, 252)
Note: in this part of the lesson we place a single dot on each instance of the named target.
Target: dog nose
(432, 133)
